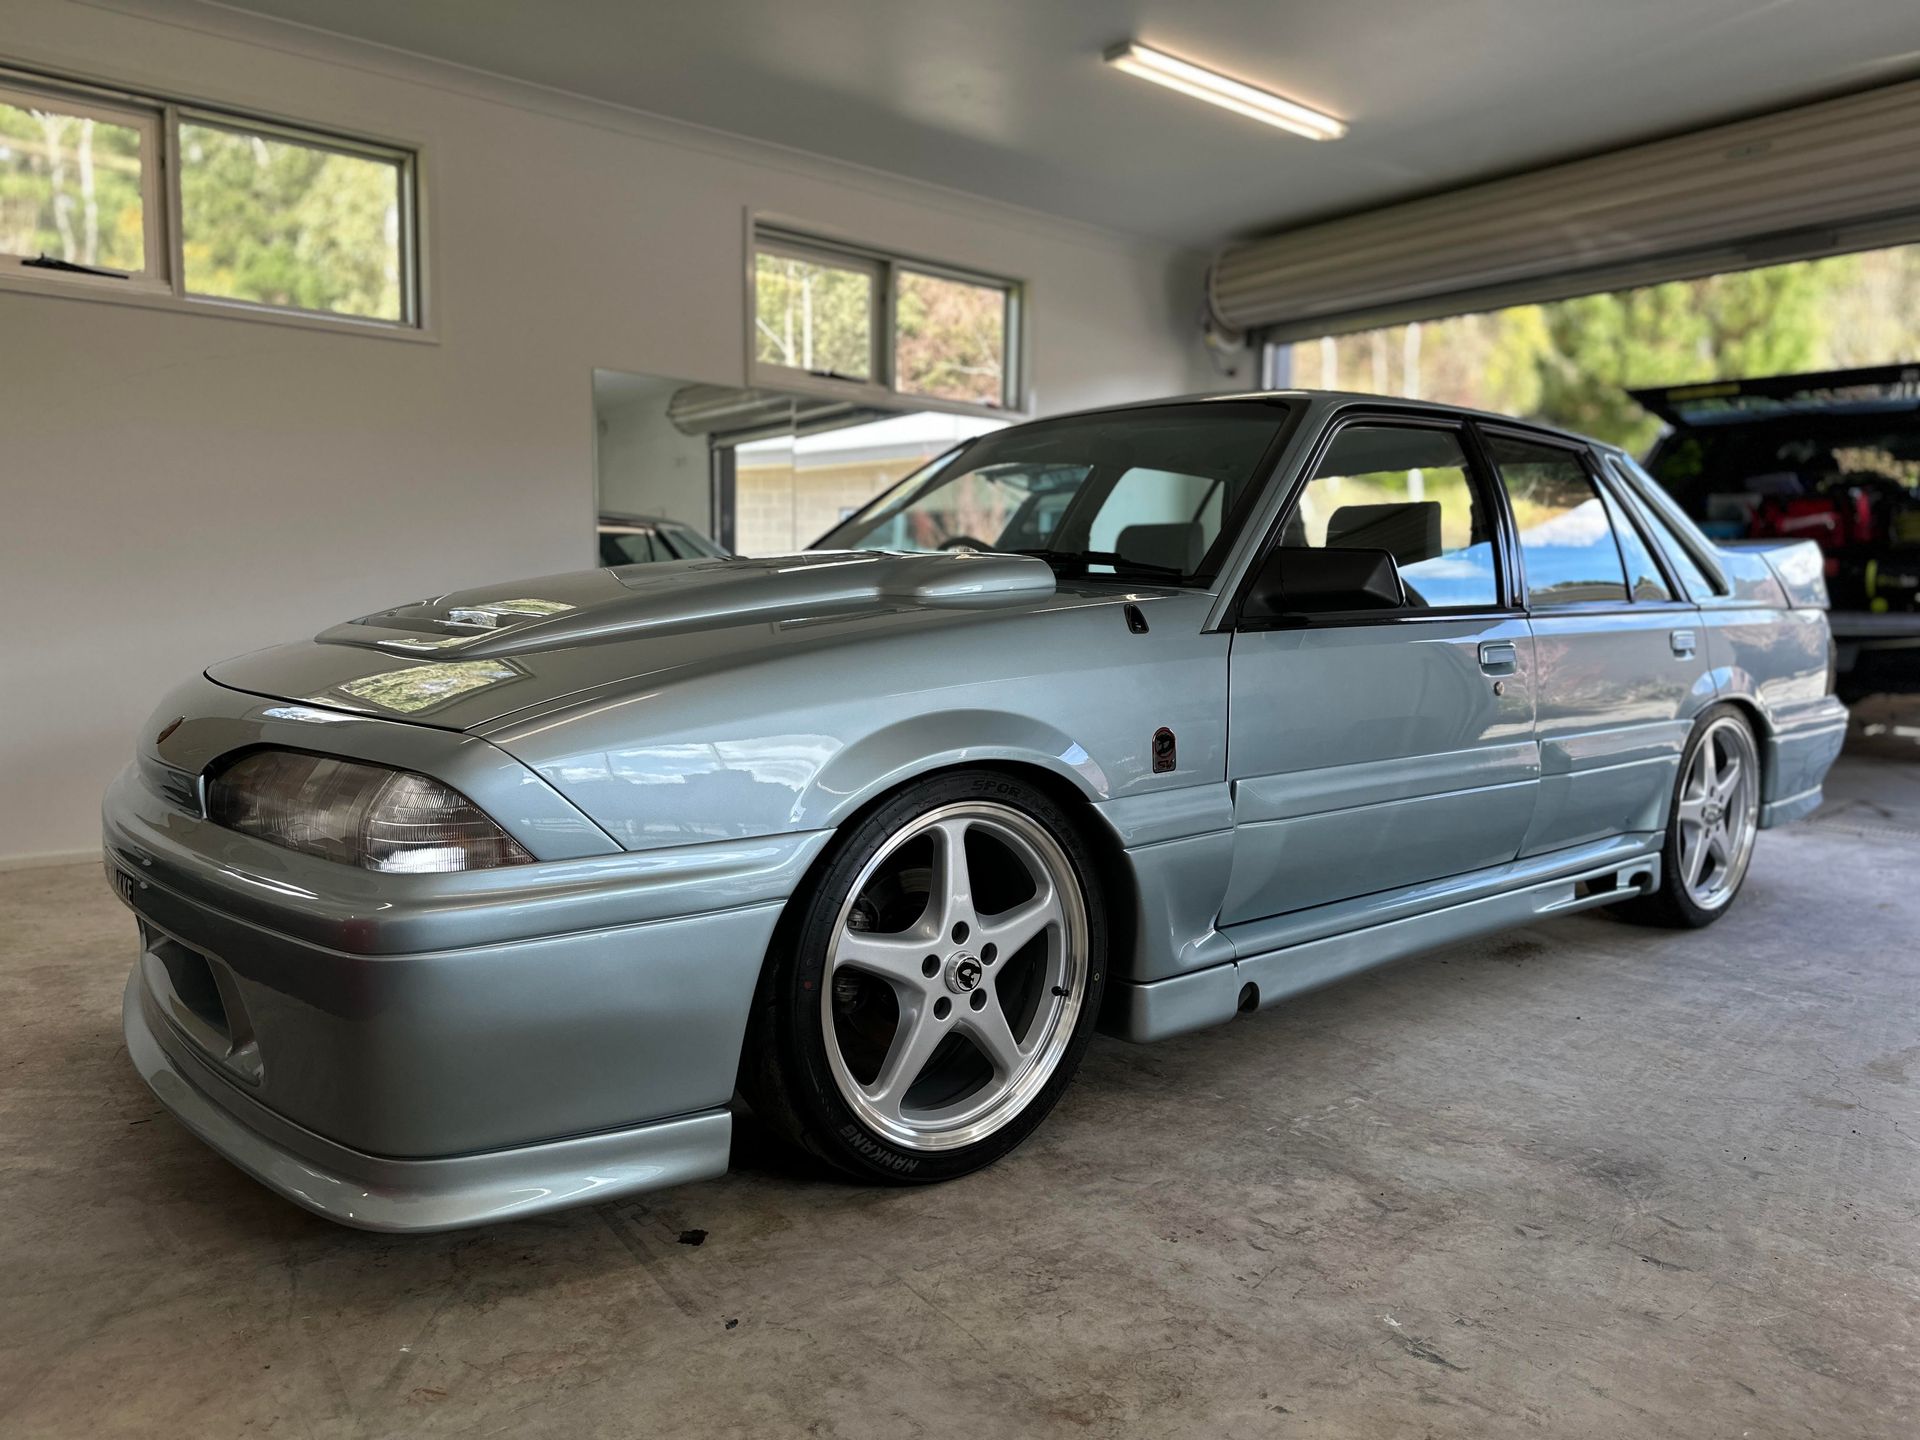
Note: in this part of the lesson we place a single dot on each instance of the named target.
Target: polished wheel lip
(930, 1004)
(1717, 814)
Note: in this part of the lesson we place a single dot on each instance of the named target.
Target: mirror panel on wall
(760, 472)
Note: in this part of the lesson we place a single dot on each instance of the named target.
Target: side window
(1692, 577)
(1644, 579)
(1409, 491)
(1566, 539)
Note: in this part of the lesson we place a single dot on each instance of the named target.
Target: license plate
(124, 884)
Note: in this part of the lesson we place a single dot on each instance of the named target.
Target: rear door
(1620, 658)
(1378, 749)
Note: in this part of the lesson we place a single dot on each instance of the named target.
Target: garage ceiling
(1009, 98)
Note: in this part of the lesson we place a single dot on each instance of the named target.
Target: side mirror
(1317, 582)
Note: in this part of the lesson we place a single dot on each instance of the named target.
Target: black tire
(1673, 905)
(787, 1074)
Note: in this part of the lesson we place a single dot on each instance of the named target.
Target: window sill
(147, 297)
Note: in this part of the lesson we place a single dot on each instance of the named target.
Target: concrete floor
(1582, 1179)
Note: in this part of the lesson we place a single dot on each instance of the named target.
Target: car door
(1620, 662)
(1377, 749)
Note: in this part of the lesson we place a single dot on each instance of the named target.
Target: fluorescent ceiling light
(1216, 89)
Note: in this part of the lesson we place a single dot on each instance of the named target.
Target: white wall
(649, 468)
(176, 488)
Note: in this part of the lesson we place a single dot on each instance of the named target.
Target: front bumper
(419, 1052)
(373, 1192)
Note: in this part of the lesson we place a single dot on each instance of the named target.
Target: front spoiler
(373, 1192)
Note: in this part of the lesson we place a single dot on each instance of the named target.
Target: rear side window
(1406, 490)
(1566, 537)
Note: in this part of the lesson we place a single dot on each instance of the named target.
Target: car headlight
(358, 814)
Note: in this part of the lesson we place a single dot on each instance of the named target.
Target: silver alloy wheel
(1719, 812)
(947, 970)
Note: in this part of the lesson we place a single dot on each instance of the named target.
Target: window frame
(150, 122)
(879, 311)
(163, 283)
(1509, 583)
(773, 236)
(1596, 476)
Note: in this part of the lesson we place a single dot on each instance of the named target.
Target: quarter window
(1566, 539)
(1692, 577)
(1408, 491)
(1644, 580)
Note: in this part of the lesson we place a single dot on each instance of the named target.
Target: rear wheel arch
(1757, 721)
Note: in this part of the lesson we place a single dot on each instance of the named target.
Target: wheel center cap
(963, 973)
(1712, 812)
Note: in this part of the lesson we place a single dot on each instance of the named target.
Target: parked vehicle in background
(1141, 718)
(643, 539)
(1832, 457)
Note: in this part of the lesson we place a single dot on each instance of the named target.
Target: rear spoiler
(1797, 564)
(1868, 390)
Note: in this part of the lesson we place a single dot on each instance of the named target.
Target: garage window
(280, 218)
(254, 213)
(830, 317)
(814, 312)
(79, 184)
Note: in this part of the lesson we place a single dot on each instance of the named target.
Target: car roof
(608, 517)
(1334, 400)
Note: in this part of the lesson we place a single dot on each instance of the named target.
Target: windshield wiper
(1081, 559)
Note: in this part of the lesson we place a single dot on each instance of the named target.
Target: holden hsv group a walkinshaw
(1140, 718)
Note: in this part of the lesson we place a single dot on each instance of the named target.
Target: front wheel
(937, 985)
(1711, 826)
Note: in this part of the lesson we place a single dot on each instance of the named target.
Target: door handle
(1499, 657)
(1683, 643)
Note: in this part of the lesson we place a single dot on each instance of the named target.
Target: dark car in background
(642, 539)
(1832, 457)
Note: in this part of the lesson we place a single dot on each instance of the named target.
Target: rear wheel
(937, 985)
(1711, 827)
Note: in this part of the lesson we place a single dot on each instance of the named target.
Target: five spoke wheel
(957, 973)
(1718, 813)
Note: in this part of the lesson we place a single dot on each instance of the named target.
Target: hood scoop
(633, 601)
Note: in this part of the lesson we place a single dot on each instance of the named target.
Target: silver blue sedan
(1134, 720)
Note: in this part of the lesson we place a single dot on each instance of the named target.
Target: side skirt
(1161, 1008)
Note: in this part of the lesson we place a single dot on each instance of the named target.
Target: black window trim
(1479, 471)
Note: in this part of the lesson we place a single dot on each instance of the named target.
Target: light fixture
(1216, 89)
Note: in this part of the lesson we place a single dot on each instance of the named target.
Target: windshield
(1153, 492)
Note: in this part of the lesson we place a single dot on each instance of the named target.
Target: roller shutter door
(1820, 179)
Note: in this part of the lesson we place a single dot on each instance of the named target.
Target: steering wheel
(963, 542)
